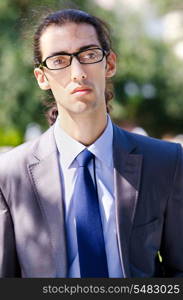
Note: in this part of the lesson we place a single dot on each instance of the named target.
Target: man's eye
(59, 61)
(90, 54)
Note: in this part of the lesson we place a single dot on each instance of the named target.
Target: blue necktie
(91, 246)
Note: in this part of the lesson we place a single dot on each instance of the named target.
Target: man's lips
(81, 89)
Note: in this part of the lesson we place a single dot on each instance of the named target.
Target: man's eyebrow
(88, 46)
(79, 49)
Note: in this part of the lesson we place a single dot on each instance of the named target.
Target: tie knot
(84, 158)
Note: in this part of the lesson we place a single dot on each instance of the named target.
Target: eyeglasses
(64, 60)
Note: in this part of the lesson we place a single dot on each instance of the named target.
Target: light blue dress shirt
(68, 149)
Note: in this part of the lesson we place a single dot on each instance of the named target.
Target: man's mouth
(81, 90)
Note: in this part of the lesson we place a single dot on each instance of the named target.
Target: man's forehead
(68, 37)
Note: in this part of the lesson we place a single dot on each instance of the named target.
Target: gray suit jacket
(149, 208)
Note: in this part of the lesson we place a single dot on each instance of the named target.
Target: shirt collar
(102, 147)
(69, 148)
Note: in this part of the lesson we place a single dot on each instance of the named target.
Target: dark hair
(60, 18)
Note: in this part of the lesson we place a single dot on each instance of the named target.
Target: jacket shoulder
(146, 143)
(154, 150)
(21, 155)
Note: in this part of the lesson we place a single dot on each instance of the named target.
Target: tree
(148, 84)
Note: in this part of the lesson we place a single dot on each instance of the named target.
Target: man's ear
(111, 64)
(41, 79)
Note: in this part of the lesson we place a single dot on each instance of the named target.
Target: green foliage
(169, 5)
(148, 84)
(10, 137)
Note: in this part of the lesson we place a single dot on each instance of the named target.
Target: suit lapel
(45, 177)
(127, 171)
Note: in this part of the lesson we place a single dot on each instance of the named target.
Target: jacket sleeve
(9, 266)
(172, 243)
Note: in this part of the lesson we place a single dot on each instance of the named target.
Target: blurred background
(148, 39)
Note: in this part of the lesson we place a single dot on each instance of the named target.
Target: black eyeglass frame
(75, 54)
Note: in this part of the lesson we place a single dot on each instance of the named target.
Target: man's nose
(77, 70)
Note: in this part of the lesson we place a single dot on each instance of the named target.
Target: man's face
(88, 79)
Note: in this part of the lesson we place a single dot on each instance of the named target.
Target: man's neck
(85, 129)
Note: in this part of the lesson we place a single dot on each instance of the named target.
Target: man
(88, 199)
